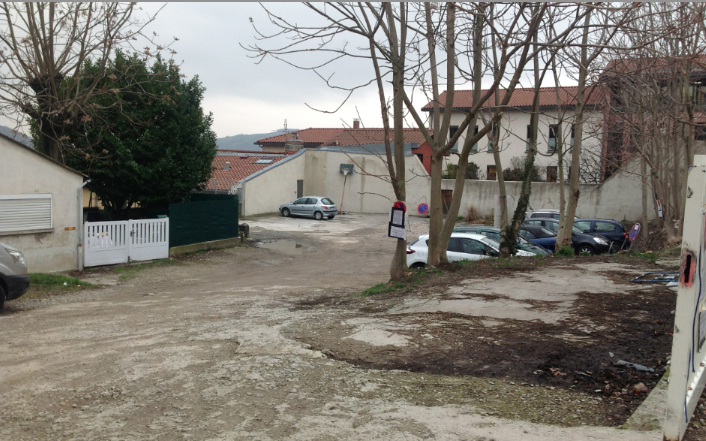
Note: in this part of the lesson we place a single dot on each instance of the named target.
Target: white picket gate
(108, 243)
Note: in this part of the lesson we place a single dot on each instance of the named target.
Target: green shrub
(566, 251)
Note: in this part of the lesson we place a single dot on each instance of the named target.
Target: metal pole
(79, 226)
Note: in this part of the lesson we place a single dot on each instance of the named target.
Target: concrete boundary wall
(619, 197)
(368, 190)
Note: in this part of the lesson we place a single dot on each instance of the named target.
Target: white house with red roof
(514, 129)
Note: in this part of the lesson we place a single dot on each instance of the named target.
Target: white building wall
(368, 189)
(513, 138)
(23, 171)
(272, 187)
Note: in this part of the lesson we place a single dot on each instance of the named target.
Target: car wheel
(285, 212)
(585, 249)
(331, 217)
(418, 265)
(318, 215)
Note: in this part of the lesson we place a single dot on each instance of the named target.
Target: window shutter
(25, 212)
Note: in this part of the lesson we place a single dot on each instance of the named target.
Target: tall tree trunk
(563, 237)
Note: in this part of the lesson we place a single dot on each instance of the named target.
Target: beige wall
(265, 192)
(26, 172)
(619, 197)
(368, 192)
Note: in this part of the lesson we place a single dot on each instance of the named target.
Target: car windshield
(491, 242)
(413, 242)
(327, 201)
(548, 232)
(576, 230)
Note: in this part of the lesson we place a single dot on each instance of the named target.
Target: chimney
(356, 123)
(226, 167)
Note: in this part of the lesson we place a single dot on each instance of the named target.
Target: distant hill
(245, 142)
(18, 136)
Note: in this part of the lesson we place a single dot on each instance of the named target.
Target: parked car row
(537, 236)
(593, 236)
(462, 246)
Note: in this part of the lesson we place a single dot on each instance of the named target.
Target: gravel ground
(204, 350)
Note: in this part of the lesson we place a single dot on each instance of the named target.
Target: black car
(580, 241)
(610, 229)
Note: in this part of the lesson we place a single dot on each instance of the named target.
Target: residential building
(316, 137)
(40, 212)
(514, 130)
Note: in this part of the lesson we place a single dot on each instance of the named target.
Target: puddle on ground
(288, 247)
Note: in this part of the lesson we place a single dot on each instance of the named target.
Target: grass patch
(51, 282)
(130, 271)
(43, 285)
(403, 285)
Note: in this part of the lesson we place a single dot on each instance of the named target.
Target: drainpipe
(79, 226)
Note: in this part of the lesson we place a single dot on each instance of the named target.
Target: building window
(263, 161)
(491, 137)
(475, 146)
(700, 133)
(572, 135)
(551, 173)
(551, 141)
(25, 213)
(529, 130)
(492, 175)
(452, 132)
(699, 93)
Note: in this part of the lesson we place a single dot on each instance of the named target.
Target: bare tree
(656, 95)
(599, 27)
(43, 49)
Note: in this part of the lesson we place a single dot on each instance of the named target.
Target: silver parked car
(310, 206)
(14, 280)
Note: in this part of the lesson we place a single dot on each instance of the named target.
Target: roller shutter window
(25, 213)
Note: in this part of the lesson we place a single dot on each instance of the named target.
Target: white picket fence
(108, 243)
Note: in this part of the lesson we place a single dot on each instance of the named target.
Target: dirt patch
(577, 354)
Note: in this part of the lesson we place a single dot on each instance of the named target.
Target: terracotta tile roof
(311, 137)
(241, 166)
(371, 136)
(664, 68)
(521, 98)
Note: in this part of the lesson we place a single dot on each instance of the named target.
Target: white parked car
(462, 246)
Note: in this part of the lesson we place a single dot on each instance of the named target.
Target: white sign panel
(397, 232)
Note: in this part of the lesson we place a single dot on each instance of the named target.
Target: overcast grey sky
(245, 97)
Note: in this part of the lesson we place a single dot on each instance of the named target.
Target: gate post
(686, 373)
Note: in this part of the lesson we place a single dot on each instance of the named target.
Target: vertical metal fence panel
(206, 218)
(687, 371)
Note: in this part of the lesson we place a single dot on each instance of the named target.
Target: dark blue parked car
(580, 242)
(610, 229)
(539, 235)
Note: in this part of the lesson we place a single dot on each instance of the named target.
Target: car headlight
(17, 256)
(600, 241)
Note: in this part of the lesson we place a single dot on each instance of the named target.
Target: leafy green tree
(150, 142)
